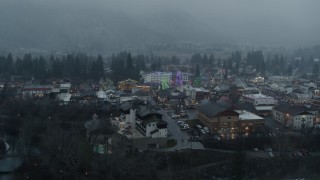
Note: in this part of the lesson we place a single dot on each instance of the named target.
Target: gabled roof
(145, 113)
(245, 106)
(212, 109)
(150, 120)
(294, 110)
(87, 94)
(172, 94)
(125, 106)
(162, 124)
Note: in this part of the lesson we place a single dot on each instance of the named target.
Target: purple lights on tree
(178, 81)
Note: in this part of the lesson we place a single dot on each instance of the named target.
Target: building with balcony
(157, 77)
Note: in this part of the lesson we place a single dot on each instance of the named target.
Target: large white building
(64, 92)
(157, 77)
(259, 99)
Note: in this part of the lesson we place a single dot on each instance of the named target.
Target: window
(229, 117)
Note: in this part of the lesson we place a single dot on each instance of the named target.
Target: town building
(295, 117)
(249, 121)
(217, 116)
(195, 93)
(127, 85)
(150, 124)
(262, 103)
(36, 90)
(221, 117)
(172, 97)
(146, 122)
(157, 77)
(142, 124)
(132, 86)
(64, 92)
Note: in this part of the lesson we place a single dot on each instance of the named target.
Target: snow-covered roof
(246, 115)
(263, 108)
(257, 96)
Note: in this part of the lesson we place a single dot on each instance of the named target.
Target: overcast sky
(260, 22)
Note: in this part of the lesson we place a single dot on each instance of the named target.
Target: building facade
(218, 117)
(36, 90)
(295, 117)
(262, 103)
(157, 77)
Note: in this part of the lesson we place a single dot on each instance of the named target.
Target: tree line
(39, 67)
(124, 65)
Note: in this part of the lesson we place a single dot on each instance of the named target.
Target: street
(178, 135)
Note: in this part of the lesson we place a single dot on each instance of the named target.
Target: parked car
(198, 126)
(271, 154)
(216, 137)
(202, 131)
(184, 127)
(206, 129)
(175, 116)
(268, 149)
(255, 149)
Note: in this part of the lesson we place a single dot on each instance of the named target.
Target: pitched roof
(294, 110)
(245, 106)
(147, 113)
(150, 120)
(125, 106)
(211, 109)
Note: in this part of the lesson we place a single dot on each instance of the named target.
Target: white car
(268, 149)
(271, 154)
(255, 149)
(203, 131)
(175, 116)
(184, 127)
(206, 129)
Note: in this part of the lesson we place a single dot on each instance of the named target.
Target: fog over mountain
(100, 26)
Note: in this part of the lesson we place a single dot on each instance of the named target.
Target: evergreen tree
(211, 59)
(197, 70)
(315, 71)
(129, 62)
(196, 58)
(205, 60)
(289, 70)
